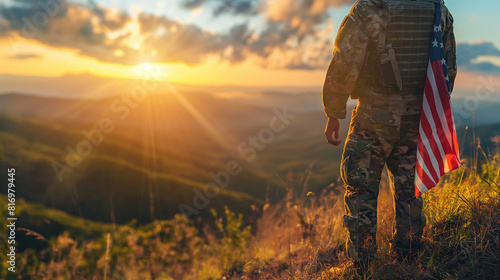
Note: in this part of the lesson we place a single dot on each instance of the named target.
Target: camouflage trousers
(383, 131)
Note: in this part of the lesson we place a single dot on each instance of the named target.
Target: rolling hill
(160, 152)
(156, 157)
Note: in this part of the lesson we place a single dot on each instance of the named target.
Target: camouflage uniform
(385, 123)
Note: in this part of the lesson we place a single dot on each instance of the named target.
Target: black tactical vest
(409, 30)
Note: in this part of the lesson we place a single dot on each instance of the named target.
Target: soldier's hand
(332, 131)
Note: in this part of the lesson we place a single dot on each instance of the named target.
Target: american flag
(437, 149)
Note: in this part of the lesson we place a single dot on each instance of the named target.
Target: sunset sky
(208, 42)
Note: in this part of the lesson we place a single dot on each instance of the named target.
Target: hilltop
(299, 238)
(164, 149)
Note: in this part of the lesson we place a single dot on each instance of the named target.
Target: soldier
(381, 56)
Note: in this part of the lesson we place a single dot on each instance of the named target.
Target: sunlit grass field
(299, 238)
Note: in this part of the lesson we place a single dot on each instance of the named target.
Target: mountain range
(138, 156)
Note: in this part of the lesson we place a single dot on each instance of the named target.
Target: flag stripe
(437, 147)
(428, 157)
(429, 173)
(419, 182)
(428, 125)
(434, 111)
(442, 105)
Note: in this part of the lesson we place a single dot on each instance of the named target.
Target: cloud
(299, 34)
(173, 41)
(64, 24)
(24, 56)
(296, 34)
(467, 53)
(234, 7)
(110, 35)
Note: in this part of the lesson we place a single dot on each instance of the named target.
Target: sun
(151, 71)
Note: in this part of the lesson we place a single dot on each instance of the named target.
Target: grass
(299, 238)
(461, 240)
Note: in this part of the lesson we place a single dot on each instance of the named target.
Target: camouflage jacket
(357, 35)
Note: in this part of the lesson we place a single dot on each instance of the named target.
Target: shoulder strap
(382, 35)
(389, 55)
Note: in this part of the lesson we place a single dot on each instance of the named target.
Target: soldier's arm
(343, 72)
(450, 49)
